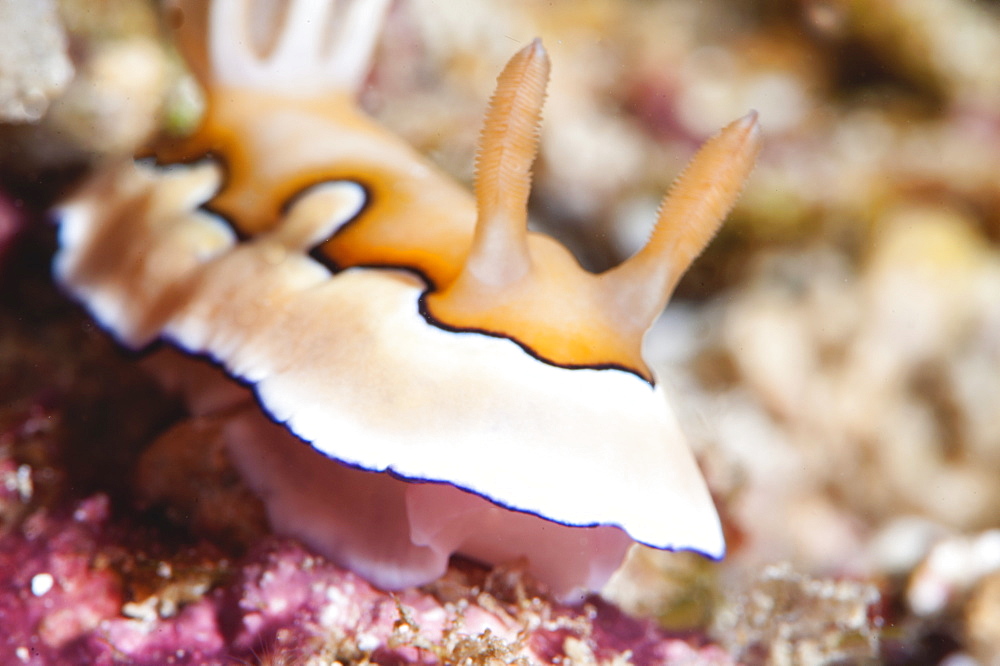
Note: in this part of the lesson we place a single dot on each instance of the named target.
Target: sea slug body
(421, 376)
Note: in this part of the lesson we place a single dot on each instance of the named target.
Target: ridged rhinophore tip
(689, 217)
(748, 125)
(507, 149)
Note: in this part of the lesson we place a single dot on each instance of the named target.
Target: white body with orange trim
(400, 326)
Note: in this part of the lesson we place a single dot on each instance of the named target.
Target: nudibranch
(428, 377)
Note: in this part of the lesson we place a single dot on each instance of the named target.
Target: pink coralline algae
(69, 594)
(61, 598)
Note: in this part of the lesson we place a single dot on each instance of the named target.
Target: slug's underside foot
(332, 508)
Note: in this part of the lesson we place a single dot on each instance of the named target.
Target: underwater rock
(73, 592)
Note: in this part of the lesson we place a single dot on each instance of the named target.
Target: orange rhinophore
(408, 332)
